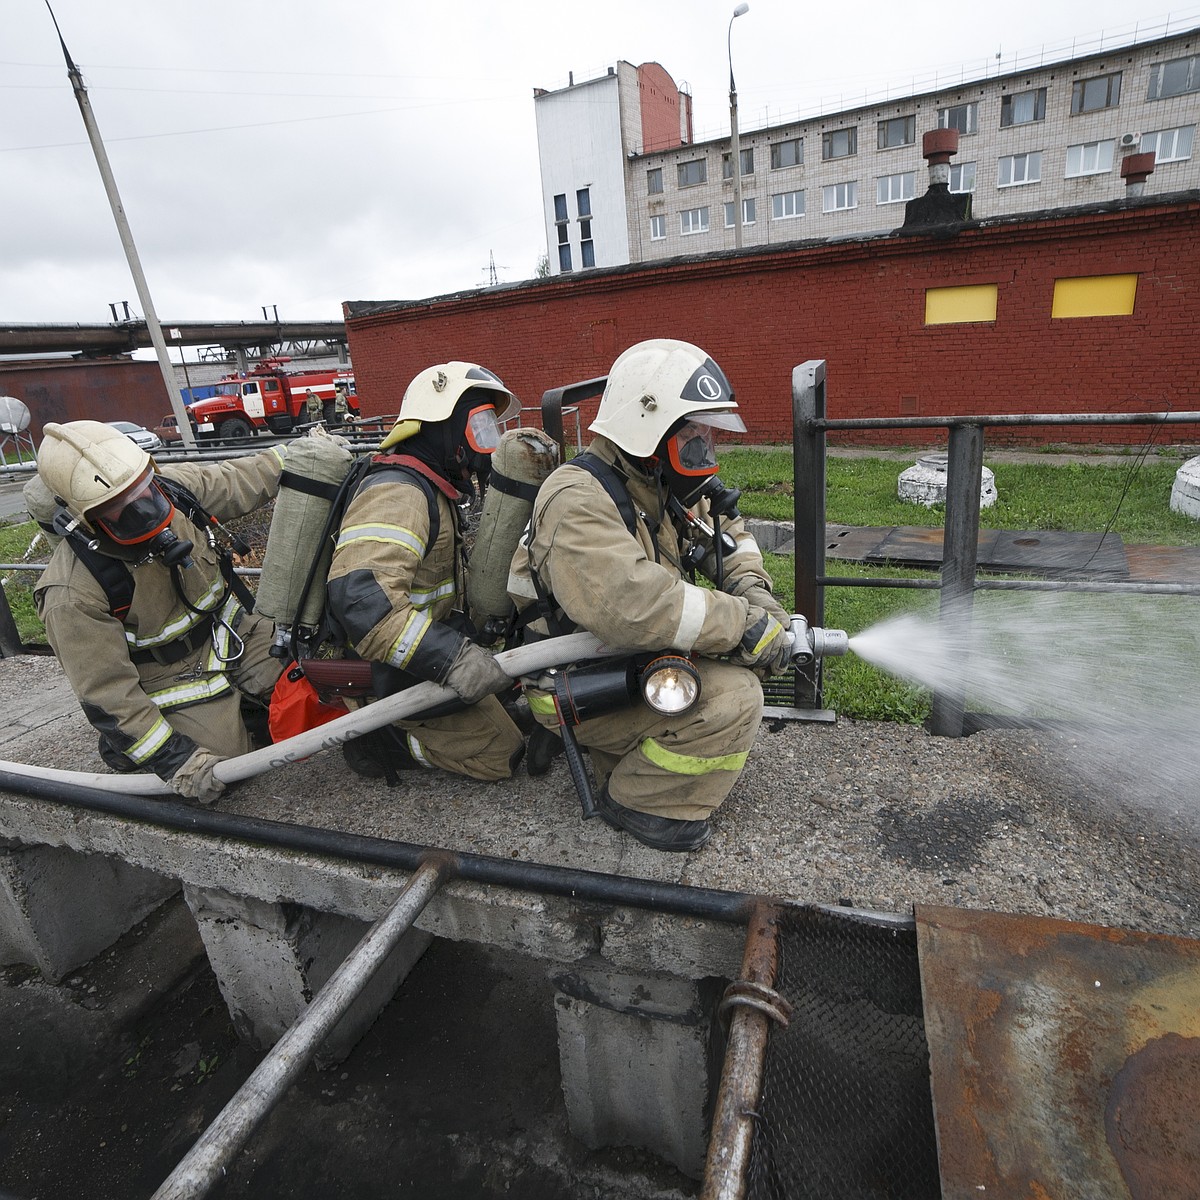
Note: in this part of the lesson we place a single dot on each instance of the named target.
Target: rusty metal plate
(1065, 1058)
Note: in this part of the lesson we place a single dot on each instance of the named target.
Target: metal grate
(846, 1111)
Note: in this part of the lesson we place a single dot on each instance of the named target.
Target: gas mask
(137, 526)
(689, 464)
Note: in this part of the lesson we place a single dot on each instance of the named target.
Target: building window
(962, 177)
(693, 220)
(1090, 158)
(838, 196)
(897, 131)
(1174, 78)
(1094, 296)
(563, 231)
(693, 172)
(1169, 145)
(890, 189)
(787, 154)
(1020, 168)
(958, 305)
(587, 253)
(839, 143)
(785, 205)
(963, 117)
(747, 157)
(658, 228)
(1021, 108)
(583, 202)
(654, 181)
(1090, 95)
(747, 212)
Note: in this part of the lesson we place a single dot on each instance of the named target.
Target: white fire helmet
(87, 464)
(656, 384)
(433, 394)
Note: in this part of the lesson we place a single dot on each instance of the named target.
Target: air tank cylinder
(520, 464)
(313, 471)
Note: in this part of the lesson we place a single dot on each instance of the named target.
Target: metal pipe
(733, 908)
(964, 476)
(741, 1077)
(205, 1162)
(808, 512)
(1143, 418)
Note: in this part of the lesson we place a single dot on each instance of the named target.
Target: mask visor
(139, 514)
(483, 430)
(692, 451)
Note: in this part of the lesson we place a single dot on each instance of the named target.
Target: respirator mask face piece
(690, 461)
(137, 524)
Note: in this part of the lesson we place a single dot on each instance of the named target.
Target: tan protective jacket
(126, 700)
(389, 588)
(631, 591)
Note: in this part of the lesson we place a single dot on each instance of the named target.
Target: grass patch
(15, 540)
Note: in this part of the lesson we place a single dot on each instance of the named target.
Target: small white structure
(1185, 491)
(925, 483)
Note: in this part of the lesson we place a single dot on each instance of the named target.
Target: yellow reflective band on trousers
(691, 764)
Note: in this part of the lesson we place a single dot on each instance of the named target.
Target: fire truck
(266, 398)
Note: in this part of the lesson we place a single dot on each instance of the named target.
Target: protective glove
(195, 779)
(765, 646)
(474, 673)
(761, 596)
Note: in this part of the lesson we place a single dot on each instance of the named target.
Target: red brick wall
(860, 306)
(660, 108)
(114, 390)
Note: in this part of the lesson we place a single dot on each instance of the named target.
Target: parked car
(138, 434)
(168, 428)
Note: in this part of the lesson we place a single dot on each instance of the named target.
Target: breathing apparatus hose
(523, 660)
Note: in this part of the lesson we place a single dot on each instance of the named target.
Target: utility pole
(135, 266)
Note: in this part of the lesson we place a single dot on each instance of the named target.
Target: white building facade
(1030, 140)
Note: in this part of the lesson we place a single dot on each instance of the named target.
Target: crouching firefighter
(141, 605)
(616, 538)
(396, 590)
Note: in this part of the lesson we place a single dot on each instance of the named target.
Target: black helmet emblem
(708, 387)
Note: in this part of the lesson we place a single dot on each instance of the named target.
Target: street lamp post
(735, 147)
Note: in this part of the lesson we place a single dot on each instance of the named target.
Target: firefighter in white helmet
(140, 603)
(615, 538)
(397, 586)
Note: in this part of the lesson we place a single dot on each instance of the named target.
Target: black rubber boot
(544, 747)
(659, 833)
(114, 758)
(379, 754)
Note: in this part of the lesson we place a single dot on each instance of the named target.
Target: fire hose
(808, 642)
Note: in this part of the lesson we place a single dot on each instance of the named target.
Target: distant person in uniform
(312, 405)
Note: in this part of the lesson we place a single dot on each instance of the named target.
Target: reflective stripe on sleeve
(541, 702)
(429, 598)
(395, 535)
(150, 743)
(691, 619)
(691, 764)
(410, 637)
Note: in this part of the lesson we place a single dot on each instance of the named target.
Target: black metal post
(960, 553)
(808, 511)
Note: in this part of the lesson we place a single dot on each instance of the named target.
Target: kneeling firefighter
(142, 607)
(396, 590)
(616, 537)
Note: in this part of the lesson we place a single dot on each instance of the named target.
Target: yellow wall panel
(1095, 296)
(954, 305)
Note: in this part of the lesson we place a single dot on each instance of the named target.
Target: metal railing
(958, 580)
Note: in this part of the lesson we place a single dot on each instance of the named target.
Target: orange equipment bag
(296, 707)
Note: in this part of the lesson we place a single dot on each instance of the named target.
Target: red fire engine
(267, 397)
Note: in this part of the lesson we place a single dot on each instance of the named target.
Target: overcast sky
(299, 154)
